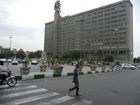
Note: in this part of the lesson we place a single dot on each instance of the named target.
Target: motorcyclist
(3, 72)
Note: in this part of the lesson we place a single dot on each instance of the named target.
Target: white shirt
(2, 68)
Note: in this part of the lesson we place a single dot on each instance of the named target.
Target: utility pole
(10, 42)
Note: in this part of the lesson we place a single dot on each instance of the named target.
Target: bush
(43, 66)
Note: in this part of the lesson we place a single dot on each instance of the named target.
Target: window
(123, 10)
(106, 14)
(114, 12)
(122, 6)
(122, 15)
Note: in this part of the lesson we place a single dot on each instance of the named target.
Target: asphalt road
(113, 88)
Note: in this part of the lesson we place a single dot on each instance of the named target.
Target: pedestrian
(75, 80)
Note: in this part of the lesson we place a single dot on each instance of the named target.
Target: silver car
(128, 66)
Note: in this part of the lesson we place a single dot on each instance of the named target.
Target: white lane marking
(18, 88)
(56, 101)
(23, 93)
(83, 102)
(30, 99)
(6, 86)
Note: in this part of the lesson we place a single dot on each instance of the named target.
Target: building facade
(108, 28)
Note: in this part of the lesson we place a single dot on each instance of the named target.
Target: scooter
(10, 80)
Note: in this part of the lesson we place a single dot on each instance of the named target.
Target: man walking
(75, 81)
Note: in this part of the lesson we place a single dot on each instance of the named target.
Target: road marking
(57, 101)
(83, 102)
(6, 86)
(18, 88)
(30, 99)
(23, 93)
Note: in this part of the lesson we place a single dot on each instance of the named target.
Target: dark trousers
(3, 77)
(75, 87)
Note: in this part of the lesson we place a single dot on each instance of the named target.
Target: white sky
(24, 20)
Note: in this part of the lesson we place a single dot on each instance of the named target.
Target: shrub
(43, 66)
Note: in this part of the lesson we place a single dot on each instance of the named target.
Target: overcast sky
(24, 20)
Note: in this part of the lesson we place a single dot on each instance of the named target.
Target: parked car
(9, 60)
(128, 66)
(34, 62)
(14, 62)
(20, 60)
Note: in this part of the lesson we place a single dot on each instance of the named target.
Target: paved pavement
(36, 69)
(27, 94)
(113, 88)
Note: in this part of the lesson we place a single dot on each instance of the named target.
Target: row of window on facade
(119, 22)
(91, 30)
(93, 19)
(95, 14)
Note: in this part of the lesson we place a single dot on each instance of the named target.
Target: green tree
(31, 55)
(7, 54)
(75, 54)
(99, 55)
(136, 60)
(20, 54)
(36, 54)
(109, 58)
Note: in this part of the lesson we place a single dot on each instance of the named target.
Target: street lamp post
(117, 46)
(82, 41)
(7, 63)
(81, 37)
(10, 42)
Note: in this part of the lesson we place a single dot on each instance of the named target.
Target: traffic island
(47, 75)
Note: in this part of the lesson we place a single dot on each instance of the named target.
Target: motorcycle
(10, 80)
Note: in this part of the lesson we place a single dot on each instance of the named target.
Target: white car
(34, 62)
(9, 60)
(14, 62)
(128, 66)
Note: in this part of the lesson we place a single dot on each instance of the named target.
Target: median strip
(47, 75)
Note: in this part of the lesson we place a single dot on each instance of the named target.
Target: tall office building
(108, 28)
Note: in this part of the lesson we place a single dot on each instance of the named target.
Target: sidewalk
(67, 71)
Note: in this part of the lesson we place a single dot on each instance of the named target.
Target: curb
(47, 75)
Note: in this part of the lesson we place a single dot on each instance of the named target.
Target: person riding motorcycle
(3, 72)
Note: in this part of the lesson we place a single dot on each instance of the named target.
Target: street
(113, 88)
